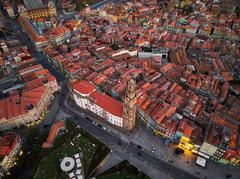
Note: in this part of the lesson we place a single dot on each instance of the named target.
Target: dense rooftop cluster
(185, 64)
(45, 30)
(23, 83)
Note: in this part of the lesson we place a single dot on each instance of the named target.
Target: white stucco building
(87, 97)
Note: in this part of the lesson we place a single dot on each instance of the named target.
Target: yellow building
(185, 143)
(185, 131)
(49, 11)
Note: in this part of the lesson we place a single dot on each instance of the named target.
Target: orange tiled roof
(9, 108)
(41, 72)
(28, 27)
(53, 132)
(108, 103)
(188, 131)
(83, 87)
(7, 142)
(233, 140)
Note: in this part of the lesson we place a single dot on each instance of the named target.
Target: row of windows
(110, 118)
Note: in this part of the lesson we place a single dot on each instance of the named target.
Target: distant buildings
(10, 145)
(43, 12)
(26, 89)
(43, 28)
(184, 68)
(68, 5)
(38, 39)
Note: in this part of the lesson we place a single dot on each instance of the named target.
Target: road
(122, 148)
(163, 160)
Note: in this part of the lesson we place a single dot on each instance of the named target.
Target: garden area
(69, 143)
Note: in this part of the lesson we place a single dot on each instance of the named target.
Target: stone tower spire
(129, 106)
(52, 8)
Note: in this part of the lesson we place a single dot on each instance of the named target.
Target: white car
(153, 149)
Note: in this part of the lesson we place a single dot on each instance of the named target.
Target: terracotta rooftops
(7, 142)
(213, 136)
(59, 30)
(15, 105)
(53, 133)
(108, 103)
(83, 87)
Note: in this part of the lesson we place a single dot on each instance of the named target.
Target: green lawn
(49, 166)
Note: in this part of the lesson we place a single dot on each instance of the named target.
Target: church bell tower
(129, 106)
(52, 9)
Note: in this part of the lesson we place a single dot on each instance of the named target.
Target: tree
(237, 11)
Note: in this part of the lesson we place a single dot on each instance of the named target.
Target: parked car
(138, 146)
(104, 128)
(178, 152)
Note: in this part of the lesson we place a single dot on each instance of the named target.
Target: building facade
(86, 97)
(121, 115)
(59, 34)
(49, 11)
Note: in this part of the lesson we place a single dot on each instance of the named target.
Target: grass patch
(69, 144)
(99, 155)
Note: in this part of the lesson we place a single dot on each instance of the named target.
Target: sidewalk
(108, 162)
(185, 162)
